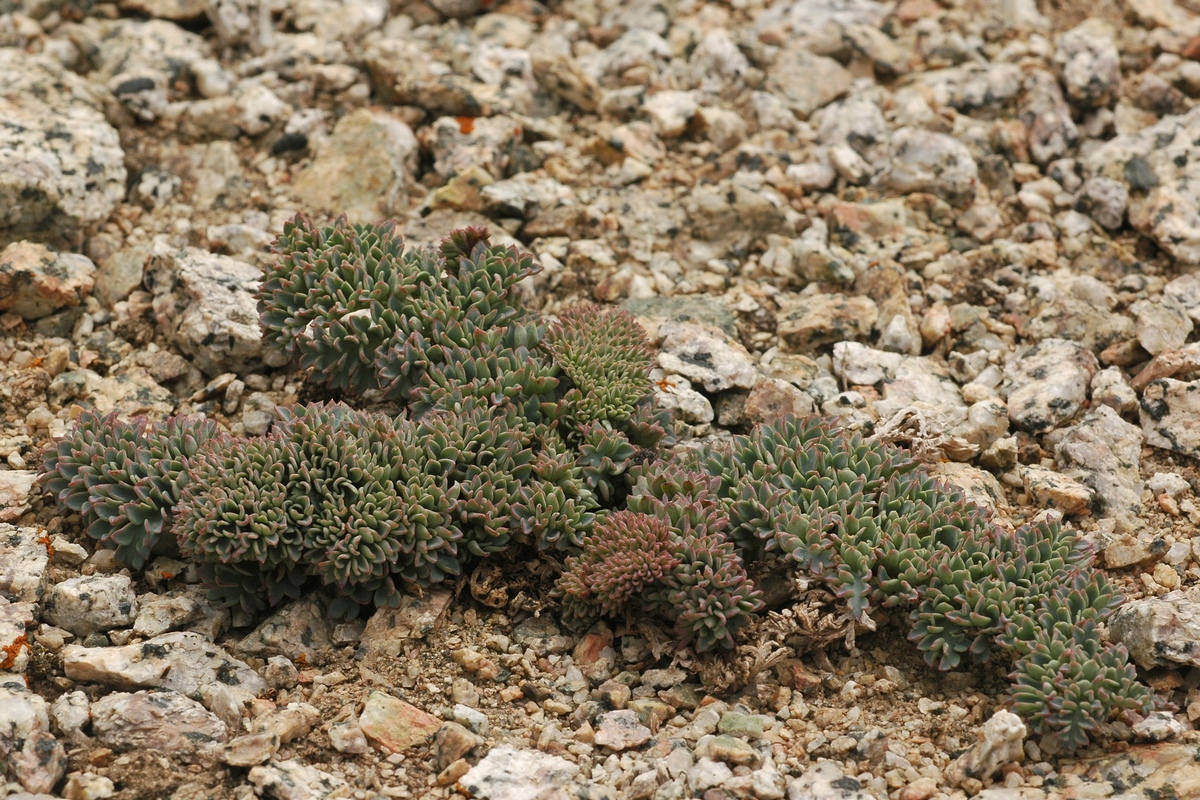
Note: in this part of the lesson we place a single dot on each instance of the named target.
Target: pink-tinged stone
(621, 730)
(36, 281)
(394, 724)
(590, 648)
(389, 628)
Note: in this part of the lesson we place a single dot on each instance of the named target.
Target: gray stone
(1170, 415)
(857, 122)
(1159, 631)
(1001, 741)
(922, 161)
(1103, 452)
(671, 111)
(178, 608)
(31, 753)
(139, 60)
(1161, 324)
(805, 81)
(1111, 388)
(155, 720)
(1128, 550)
(1047, 118)
(826, 781)
(206, 306)
(249, 109)
(288, 723)
(677, 395)
(703, 354)
(977, 485)
(298, 630)
(1156, 163)
(280, 673)
(183, 661)
(1185, 290)
(16, 489)
(248, 750)
(389, 628)
(809, 321)
(1169, 483)
(1105, 200)
(685, 308)
(1047, 383)
(1158, 726)
(1067, 315)
(1090, 62)
(337, 19)
(1050, 489)
(488, 143)
(61, 163)
(621, 730)
(475, 721)
(71, 712)
(92, 603)
(23, 563)
(347, 737)
(364, 171)
(509, 774)
(35, 281)
(292, 780)
(708, 773)
(972, 86)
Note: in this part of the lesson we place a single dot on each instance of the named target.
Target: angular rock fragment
(61, 164)
(183, 661)
(394, 724)
(509, 774)
(156, 720)
(23, 562)
(1103, 452)
(206, 306)
(1170, 415)
(292, 780)
(36, 281)
(364, 171)
(92, 603)
(1047, 383)
(1160, 631)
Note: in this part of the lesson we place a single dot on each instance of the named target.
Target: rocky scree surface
(965, 226)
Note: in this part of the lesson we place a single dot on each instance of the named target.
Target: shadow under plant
(522, 435)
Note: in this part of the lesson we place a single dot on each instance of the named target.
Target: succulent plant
(556, 509)
(1066, 679)
(340, 293)
(518, 433)
(348, 498)
(709, 595)
(604, 356)
(633, 562)
(625, 555)
(354, 306)
(877, 529)
(124, 477)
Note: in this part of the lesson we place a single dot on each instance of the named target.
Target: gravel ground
(967, 226)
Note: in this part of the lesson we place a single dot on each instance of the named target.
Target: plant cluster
(124, 477)
(522, 433)
(878, 531)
